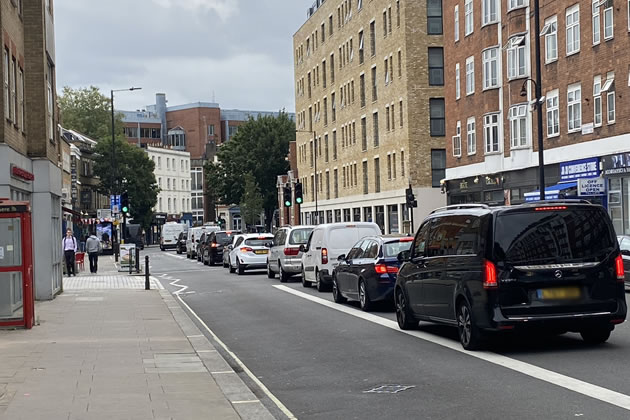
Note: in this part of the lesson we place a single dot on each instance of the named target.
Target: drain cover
(389, 389)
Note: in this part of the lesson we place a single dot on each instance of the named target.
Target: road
(319, 359)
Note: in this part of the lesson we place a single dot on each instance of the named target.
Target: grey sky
(240, 49)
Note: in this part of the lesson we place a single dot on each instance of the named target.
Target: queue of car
(553, 265)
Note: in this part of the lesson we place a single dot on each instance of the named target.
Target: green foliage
(251, 201)
(88, 111)
(260, 147)
(214, 191)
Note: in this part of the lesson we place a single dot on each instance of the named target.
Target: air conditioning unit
(64, 193)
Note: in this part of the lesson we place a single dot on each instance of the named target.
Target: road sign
(114, 203)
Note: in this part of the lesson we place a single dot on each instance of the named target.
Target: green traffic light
(298, 200)
(125, 209)
(287, 203)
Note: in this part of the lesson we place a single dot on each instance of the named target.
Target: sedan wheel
(232, 269)
(405, 318)
(239, 268)
(364, 298)
(337, 297)
(270, 274)
(469, 335)
(284, 277)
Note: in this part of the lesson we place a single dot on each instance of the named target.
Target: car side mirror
(342, 257)
(404, 256)
(303, 248)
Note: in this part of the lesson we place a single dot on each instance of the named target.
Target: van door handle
(318, 248)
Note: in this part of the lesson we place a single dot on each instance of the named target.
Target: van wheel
(364, 298)
(284, 277)
(337, 297)
(321, 287)
(469, 334)
(270, 274)
(305, 283)
(404, 316)
(595, 335)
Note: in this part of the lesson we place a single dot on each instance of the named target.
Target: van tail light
(291, 251)
(490, 275)
(619, 268)
(385, 269)
(324, 256)
(246, 249)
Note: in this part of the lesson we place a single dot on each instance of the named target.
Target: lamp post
(315, 166)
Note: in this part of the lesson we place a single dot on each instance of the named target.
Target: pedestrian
(93, 247)
(69, 245)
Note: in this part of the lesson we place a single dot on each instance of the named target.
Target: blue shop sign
(583, 168)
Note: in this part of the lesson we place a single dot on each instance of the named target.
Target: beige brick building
(370, 110)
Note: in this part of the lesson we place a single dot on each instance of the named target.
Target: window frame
(432, 81)
(554, 111)
(515, 54)
(552, 35)
(575, 103)
(431, 18)
(574, 28)
(488, 128)
(611, 94)
(609, 12)
(486, 16)
(487, 64)
(456, 22)
(469, 21)
(597, 101)
(457, 82)
(596, 26)
(437, 118)
(471, 136)
(518, 118)
(470, 88)
(517, 4)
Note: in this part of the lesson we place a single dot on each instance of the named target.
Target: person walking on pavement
(69, 245)
(93, 248)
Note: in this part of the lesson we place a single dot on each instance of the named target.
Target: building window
(434, 17)
(516, 57)
(389, 167)
(517, 3)
(372, 38)
(457, 141)
(457, 82)
(489, 11)
(401, 112)
(399, 63)
(491, 132)
(608, 22)
(436, 111)
(518, 126)
(574, 107)
(336, 183)
(363, 134)
(398, 13)
(377, 175)
(362, 89)
(573, 29)
(375, 128)
(51, 103)
(470, 75)
(361, 49)
(596, 22)
(551, 39)
(21, 88)
(490, 68)
(14, 98)
(387, 76)
(471, 136)
(436, 66)
(610, 107)
(334, 141)
(332, 68)
(553, 114)
(402, 163)
(597, 101)
(456, 25)
(468, 17)
(365, 177)
(438, 167)
(374, 91)
(333, 107)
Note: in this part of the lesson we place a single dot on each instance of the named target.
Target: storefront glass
(618, 204)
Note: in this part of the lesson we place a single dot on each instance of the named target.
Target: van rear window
(571, 235)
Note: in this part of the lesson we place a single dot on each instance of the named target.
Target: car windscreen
(299, 236)
(572, 234)
(258, 241)
(224, 238)
(392, 249)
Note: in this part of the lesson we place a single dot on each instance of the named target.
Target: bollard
(137, 260)
(115, 246)
(147, 284)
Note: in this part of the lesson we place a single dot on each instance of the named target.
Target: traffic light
(411, 199)
(299, 199)
(124, 203)
(287, 197)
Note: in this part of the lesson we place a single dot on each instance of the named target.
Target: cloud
(223, 8)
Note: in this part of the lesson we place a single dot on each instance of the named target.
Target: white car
(250, 253)
(192, 240)
(236, 241)
(326, 243)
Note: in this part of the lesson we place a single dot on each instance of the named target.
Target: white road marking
(181, 286)
(572, 384)
(175, 256)
(245, 402)
(249, 373)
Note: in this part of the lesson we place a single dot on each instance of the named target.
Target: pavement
(107, 349)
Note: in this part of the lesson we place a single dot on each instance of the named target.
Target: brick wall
(192, 121)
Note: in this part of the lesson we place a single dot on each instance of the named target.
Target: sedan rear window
(257, 241)
(565, 235)
(299, 236)
(392, 249)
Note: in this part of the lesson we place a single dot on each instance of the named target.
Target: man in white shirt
(69, 246)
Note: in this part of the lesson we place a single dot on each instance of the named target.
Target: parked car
(250, 254)
(325, 244)
(214, 244)
(181, 243)
(236, 241)
(368, 272)
(194, 235)
(624, 246)
(285, 257)
(170, 234)
(554, 265)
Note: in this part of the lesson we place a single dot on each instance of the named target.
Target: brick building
(369, 94)
(490, 103)
(30, 149)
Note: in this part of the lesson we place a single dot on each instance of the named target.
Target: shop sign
(587, 128)
(463, 185)
(618, 164)
(488, 180)
(86, 197)
(591, 186)
(583, 168)
(22, 174)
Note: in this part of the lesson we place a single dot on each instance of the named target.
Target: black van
(552, 265)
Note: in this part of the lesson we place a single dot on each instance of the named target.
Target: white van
(192, 240)
(326, 243)
(170, 234)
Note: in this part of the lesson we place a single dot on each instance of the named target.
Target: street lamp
(114, 188)
(315, 165)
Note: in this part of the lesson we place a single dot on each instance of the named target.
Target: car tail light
(214, 245)
(385, 269)
(406, 239)
(246, 249)
(324, 256)
(550, 208)
(619, 268)
(490, 275)
(291, 251)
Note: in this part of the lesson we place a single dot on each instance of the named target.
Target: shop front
(616, 172)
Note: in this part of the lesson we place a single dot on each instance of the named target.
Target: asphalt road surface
(318, 360)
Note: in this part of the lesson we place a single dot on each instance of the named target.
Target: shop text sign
(583, 168)
(23, 174)
(618, 164)
(591, 186)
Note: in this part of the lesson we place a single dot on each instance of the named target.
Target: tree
(251, 201)
(88, 111)
(259, 146)
(214, 191)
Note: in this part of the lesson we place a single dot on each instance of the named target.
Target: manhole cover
(389, 389)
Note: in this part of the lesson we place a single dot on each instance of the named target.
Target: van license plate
(559, 293)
